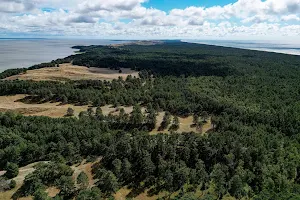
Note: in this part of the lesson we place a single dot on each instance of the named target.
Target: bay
(19, 53)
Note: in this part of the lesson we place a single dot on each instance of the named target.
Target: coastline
(240, 44)
(24, 53)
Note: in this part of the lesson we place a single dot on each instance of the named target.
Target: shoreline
(261, 49)
(119, 43)
(24, 53)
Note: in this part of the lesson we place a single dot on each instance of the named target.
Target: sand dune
(73, 72)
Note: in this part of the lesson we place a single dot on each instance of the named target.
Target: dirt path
(23, 172)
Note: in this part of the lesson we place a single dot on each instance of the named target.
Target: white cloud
(14, 6)
(130, 18)
(283, 6)
(290, 18)
(260, 19)
(109, 5)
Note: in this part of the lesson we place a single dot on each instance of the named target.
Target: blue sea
(18, 53)
(286, 47)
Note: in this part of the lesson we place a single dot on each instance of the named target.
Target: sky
(152, 19)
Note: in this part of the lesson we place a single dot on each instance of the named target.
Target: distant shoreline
(26, 52)
(237, 45)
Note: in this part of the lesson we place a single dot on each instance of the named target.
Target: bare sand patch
(141, 42)
(73, 72)
(13, 103)
(23, 172)
(52, 191)
(56, 110)
(87, 168)
(125, 193)
(185, 125)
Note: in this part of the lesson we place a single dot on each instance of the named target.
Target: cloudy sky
(151, 19)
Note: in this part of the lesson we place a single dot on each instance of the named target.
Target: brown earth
(86, 167)
(141, 42)
(52, 191)
(13, 103)
(73, 72)
(186, 125)
(123, 193)
(23, 172)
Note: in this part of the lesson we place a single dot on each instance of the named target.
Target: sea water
(19, 53)
(286, 47)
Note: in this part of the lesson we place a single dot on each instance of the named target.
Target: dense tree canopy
(253, 98)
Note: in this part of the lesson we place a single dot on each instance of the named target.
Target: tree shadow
(32, 100)
(18, 194)
(136, 190)
(154, 191)
(193, 125)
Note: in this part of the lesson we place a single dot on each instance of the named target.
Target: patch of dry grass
(73, 72)
(185, 125)
(52, 191)
(23, 172)
(13, 103)
(141, 42)
(85, 167)
(123, 193)
(56, 110)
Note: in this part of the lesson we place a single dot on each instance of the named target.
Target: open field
(186, 125)
(141, 42)
(52, 191)
(23, 172)
(72, 72)
(84, 166)
(124, 193)
(13, 103)
(55, 110)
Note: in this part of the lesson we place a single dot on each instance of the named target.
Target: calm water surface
(286, 47)
(18, 53)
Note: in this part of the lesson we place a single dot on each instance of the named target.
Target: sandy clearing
(123, 194)
(85, 167)
(46, 109)
(141, 42)
(2, 173)
(52, 191)
(49, 109)
(57, 110)
(23, 172)
(185, 125)
(207, 127)
(109, 109)
(73, 72)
